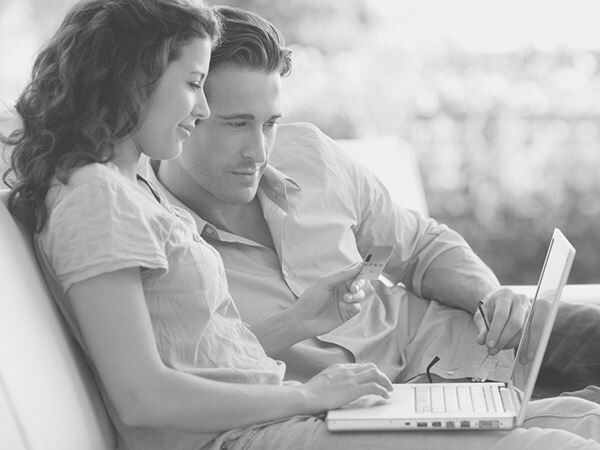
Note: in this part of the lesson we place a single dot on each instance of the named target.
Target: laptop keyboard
(479, 398)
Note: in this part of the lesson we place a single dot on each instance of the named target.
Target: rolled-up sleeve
(418, 240)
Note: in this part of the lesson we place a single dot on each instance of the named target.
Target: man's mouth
(247, 172)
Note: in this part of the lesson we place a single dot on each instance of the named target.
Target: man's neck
(246, 220)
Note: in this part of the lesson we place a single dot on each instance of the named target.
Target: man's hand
(505, 312)
(330, 301)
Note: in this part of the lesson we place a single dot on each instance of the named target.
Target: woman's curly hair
(88, 88)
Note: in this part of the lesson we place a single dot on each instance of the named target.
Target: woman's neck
(127, 156)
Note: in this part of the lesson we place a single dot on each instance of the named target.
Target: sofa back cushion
(48, 398)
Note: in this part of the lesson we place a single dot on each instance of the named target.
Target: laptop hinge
(509, 400)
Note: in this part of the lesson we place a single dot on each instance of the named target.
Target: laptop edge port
(489, 424)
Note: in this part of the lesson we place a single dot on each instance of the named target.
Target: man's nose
(256, 148)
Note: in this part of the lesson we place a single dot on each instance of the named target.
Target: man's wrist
(296, 324)
(483, 291)
(279, 331)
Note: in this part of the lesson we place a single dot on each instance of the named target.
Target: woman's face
(176, 104)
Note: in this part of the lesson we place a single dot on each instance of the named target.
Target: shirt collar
(274, 184)
(273, 175)
(150, 171)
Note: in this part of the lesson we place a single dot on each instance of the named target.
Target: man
(283, 205)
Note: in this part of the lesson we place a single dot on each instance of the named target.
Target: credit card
(375, 261)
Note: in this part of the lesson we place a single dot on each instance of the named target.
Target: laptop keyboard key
(450, 399)
(464, 399)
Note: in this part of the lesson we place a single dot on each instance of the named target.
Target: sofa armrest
(395, 163)
(572, 293)
(48, 397)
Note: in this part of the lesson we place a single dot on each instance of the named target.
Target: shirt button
(197, 238)
(449, 372)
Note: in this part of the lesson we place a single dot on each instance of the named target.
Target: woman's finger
(370, 373)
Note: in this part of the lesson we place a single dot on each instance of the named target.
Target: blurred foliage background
(500, 100)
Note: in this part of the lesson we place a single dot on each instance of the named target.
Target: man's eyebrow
(244, 116)
(236, 116)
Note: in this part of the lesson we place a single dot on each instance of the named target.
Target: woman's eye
(270, 124)
(237, 124)
(195, 85)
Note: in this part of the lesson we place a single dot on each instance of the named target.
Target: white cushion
(394, 162)
(47, 396)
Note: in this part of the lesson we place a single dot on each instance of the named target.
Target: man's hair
(89, 87)
(249, 41)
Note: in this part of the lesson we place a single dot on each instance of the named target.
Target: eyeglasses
(433, 362)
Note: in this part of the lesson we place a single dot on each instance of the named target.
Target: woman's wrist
(304, 399)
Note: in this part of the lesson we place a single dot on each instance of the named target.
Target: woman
(146, 296)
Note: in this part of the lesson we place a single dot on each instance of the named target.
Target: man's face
(228, 152)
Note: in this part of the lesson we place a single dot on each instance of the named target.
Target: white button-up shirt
(324, 212)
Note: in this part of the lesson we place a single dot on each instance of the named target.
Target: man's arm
(434, 261)
(325, 305)
(459, 278)
(430, 259)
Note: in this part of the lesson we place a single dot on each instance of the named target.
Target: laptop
(473, 405)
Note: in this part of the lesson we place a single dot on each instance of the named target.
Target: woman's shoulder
(96, 176)
(95, 173)
(95, 184)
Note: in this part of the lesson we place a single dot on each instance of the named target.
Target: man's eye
(270, 124)
(195, 85)
(237, 124)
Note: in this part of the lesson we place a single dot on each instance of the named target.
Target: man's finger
(345, 274)
(498, 321)
(514, 325)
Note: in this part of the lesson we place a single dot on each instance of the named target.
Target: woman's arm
(115, 323)
(325, 305)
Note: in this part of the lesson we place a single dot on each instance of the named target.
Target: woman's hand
(330, 301)
(340, 384)
(505, 313)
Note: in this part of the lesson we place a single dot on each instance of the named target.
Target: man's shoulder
(303, 152)
(303, 140)
(298, 132)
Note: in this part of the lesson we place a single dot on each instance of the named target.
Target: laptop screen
(536, 333)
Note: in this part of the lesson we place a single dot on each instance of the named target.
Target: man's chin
(243, 196)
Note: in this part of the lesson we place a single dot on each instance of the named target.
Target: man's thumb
(347, 273)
